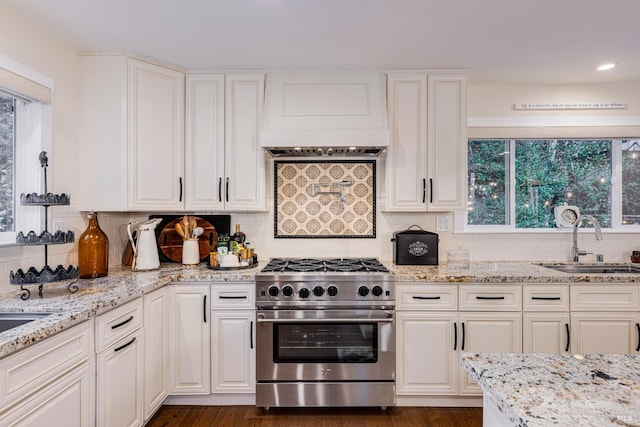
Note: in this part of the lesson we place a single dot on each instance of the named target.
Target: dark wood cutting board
(170, 242)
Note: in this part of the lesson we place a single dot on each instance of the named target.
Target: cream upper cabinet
(224, 160)
(156, 137)
(426, 165)
(406, 160)
(131, 132)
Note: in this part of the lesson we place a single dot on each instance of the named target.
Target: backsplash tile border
(289, 212)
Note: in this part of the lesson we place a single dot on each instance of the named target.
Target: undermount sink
(594, 269)
(13, 320)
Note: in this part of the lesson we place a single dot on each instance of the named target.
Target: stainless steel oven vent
(368, 152)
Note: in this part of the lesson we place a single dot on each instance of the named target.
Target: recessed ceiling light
(608, 66)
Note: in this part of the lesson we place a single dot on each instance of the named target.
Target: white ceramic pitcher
(145, 250)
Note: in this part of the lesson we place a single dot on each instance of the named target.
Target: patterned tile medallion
(327, 211)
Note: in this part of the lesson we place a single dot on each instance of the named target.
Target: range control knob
(273, 291)
(376, 290)
(287, 290)
(318, 291)
(332, 291)
(303, 292)
(363, 291)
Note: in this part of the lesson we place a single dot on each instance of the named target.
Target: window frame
(461, 218)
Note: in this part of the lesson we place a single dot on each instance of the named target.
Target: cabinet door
(190, 339)
(119, 383)
(406, 160)
(447, 142)
(546, 333)
(244, 183)
(615, 333)
(427, 360)
(233, 352)
(488, 333)
(68, 402)
(204, 145)
(156, 140)
(156, 350)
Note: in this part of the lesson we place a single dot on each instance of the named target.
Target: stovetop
(324, 282)
(305, 265)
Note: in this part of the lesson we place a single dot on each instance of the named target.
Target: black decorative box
(415, 247)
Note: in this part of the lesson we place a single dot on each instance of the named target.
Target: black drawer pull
(251, 333)
(204, 309)
(430, 190)
(546, 298)
(419, 297)
(122, 347)
(638, 326)
(220, 189)
(566, 325)
(122, 323)
(232, 297)
(424, 190)
(462, 348)
(226, 191)
(180, 179)
(490, 298)
(455, 336)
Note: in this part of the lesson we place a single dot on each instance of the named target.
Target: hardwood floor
(240, 416)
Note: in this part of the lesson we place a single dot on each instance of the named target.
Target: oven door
(325, 345)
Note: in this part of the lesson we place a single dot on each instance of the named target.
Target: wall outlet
(57, 226)
(443, 223)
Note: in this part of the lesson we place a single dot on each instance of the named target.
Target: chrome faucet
(575, 252)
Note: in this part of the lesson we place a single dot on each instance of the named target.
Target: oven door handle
(345, 320)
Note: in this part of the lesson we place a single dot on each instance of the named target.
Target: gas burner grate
(349, 265)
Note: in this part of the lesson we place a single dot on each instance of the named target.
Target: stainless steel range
(325, 333)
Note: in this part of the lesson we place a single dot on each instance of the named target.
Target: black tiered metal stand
(47, 274)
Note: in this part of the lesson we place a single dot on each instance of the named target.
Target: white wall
(25, 43)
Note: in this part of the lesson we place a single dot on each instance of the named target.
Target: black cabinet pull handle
(220, 189)
(419, 297)
(424, 190)
(546, 298)
(180, 179)
(462, 347)
(204, 309)
(455, 336)
(430, 190)
(251, 333)
(226, 193)
(638, 326)
(232, 297)
(122, 323)
(566, 326)
(489, 298)
(122, 347)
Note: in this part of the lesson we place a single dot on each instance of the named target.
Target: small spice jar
(635, 256)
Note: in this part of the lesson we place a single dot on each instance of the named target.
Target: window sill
(630, 230)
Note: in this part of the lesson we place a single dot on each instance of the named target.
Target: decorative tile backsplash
(325, 199)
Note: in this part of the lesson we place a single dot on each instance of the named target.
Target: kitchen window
(516, 183)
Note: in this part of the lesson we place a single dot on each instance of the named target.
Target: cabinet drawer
(545, 298)
(489, 297)
(118, 323)
(233, 296)
(31, 368)
(604, 297)
(427, 297)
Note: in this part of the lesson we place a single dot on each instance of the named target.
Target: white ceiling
(534, 41)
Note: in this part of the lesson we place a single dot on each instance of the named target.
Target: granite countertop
(560, 389)
(502, 272)
(123, 285)
(97, 296)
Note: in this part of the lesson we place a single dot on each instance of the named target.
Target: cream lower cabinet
(546, 320)
(189, 339)
(605, 319)
(233, 353)
(119, 366)
(156, 350)
(434, 326)
(50, 383)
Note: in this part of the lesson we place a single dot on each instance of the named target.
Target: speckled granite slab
(560, 389)
(98, 296)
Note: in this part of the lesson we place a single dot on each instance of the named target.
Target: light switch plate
(443, 223)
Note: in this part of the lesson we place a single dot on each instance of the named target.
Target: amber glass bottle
(93, 251)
